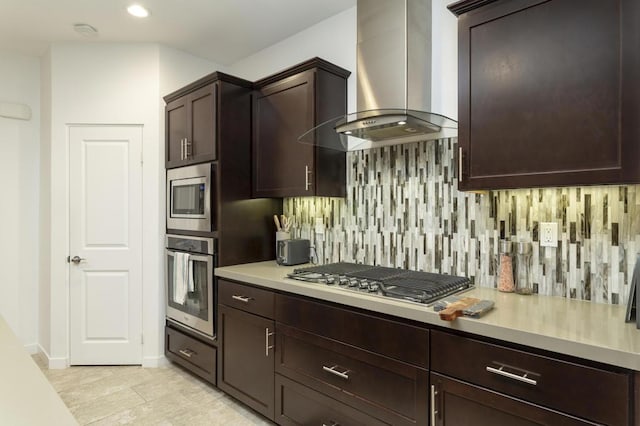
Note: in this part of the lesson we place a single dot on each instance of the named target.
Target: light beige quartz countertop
(592, 331)
(26, 396)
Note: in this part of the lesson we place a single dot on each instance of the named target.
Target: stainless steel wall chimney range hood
(394, 50)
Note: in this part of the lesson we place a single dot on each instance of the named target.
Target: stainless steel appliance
(410, 286)
(190, 263)
(191, 198)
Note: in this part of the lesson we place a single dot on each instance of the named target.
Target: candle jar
(505, 266)
(523, 269)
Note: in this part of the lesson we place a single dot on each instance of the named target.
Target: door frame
(114, 133)
(55, 222)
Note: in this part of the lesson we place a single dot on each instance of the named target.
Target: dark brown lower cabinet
(245, 362)
(457, 403)
(391, 391)
(299, 405)
(192, 354)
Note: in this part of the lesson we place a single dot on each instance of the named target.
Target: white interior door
(105, 180)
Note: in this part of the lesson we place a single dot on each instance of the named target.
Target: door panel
(106, 289)
(202, 141)
(176, 130)
(105, 232)
(283, 112)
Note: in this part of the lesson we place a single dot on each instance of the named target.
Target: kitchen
(445, 224)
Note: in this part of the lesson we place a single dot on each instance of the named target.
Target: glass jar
(523, 268)
(505, 267)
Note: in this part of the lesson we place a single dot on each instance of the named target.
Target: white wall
(44, 300)
(108, 84)
(333, 39)
(112, 84)
(19, 219)
(444, 64)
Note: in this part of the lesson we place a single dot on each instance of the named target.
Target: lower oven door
(191, 303)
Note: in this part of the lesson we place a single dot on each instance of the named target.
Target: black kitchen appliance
(292, 252)
(411, 286)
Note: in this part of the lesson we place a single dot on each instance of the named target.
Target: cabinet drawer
(246, 298)
(390, 338)
(592, 393)
(298, 405)
(387, 389)
(190, 353)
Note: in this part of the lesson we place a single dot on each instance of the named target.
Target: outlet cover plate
(319, 226)
(548, 234)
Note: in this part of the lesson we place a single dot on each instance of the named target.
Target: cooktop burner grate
(414, 286)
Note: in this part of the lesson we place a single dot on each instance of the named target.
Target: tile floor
(114, 395)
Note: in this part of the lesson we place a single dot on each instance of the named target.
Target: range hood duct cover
(393, 81)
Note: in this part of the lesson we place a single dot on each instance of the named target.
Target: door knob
(76, 259)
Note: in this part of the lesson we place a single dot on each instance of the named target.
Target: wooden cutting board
(456, 309)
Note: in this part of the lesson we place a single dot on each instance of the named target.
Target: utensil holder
(281, 235)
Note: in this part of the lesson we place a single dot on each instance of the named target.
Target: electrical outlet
(319, 226)
(548, 234)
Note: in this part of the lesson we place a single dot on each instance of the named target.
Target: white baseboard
(155, 361)
(53, 363)
(32, 348)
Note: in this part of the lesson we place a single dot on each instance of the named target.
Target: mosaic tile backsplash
(403, 209)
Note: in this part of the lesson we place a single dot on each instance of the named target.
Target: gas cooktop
(412, 286)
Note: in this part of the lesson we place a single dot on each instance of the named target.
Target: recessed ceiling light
(402, 123)
(138, 11)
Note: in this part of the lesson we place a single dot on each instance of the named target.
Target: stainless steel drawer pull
(333, 371)
(523, 378)
(434, 412)
(186, 352)
(459, 164)
(331, 423)
(307, 180)
(267, 334)
(243, 299)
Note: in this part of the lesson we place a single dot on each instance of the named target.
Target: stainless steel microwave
(191, 198)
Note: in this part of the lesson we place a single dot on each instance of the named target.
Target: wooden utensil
(456, 309)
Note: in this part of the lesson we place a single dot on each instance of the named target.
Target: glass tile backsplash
(403, 209)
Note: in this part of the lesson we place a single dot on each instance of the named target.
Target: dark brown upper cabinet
(548, 92)
(192, 118)
(286, 105)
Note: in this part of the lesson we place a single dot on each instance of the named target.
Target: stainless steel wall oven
(191, 201)
(190, 290)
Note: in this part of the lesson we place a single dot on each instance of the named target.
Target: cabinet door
(246, 360)
(456, 403)
(176, 119)
(201, 142)
(548, 93)
(283, 111)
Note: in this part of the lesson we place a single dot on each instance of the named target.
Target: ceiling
(222, 31)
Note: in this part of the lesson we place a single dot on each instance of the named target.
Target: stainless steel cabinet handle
(459, 164)
(434, 392)
(267, 334)
(186, 352)
(182, 149)
(187, 149)
(333, 371)
(331, 423)
(501, 372)
(243, 299)
(307, 181)
(75, 259)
